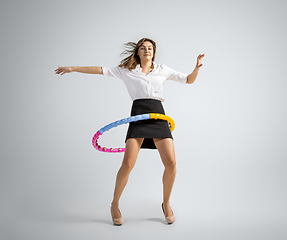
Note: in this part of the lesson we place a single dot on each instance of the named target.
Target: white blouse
(141, 85)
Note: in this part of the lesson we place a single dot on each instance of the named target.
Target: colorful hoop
(125, 121)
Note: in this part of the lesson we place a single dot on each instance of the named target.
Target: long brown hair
(133, 59)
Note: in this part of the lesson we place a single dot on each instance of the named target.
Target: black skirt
(151, 128)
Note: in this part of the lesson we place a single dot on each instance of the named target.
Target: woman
(144, 80)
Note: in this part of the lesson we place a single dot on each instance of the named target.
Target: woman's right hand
(63, 70)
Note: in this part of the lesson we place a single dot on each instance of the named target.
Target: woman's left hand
(199, 61)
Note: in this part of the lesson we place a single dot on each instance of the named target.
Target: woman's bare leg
(166, 150)
(131, 152)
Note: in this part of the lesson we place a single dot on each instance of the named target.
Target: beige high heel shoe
(170, 219)
(118, 221)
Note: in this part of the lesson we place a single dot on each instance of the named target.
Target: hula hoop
(125, 121)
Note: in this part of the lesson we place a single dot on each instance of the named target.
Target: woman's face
(145, 51)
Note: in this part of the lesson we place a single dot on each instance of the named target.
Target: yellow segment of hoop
(163, 117)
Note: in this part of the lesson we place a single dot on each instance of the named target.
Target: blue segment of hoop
(124, 121)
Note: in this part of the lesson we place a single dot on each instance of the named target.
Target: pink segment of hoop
(103, 149)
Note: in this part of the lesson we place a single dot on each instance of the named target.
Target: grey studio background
(230, 134)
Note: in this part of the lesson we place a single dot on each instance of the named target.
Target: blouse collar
(139, 69)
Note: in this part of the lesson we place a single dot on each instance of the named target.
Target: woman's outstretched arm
(191, 77)
(90, 70)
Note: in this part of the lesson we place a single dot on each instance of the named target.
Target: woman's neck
(146, 66)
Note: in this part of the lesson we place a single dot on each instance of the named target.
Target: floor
(142, 220)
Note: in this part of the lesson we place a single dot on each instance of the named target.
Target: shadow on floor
(83, 219)
(160, 220)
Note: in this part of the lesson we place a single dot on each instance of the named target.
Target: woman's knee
(170, 163)
(127, 165)
(131, 152)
